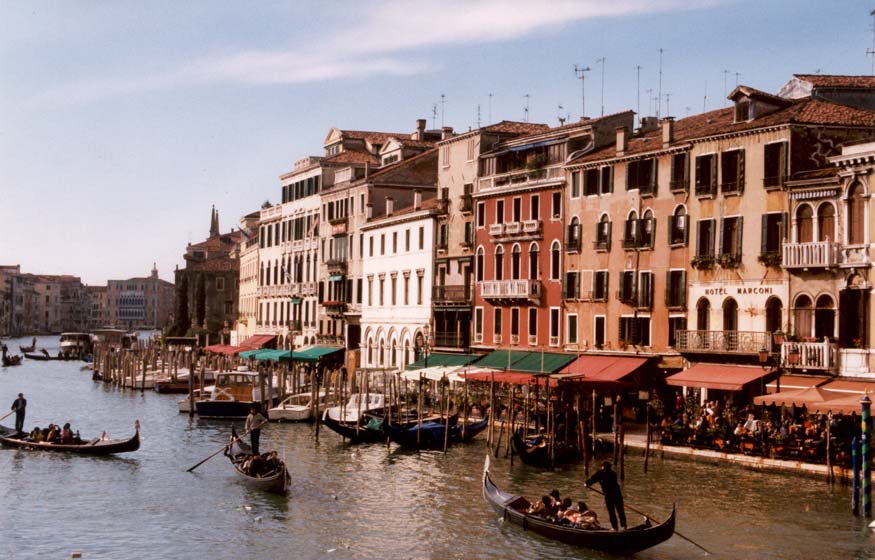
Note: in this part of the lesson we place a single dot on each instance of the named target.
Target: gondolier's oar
(638, 511)
(8, 414)
(226, 446)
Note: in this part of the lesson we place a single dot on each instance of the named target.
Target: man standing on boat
(19, 405)
(611, 491)
(253, 425)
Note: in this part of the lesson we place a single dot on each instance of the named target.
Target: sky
(122, 123)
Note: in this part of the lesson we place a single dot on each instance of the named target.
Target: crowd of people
(561, 511)
(261, 466)
(55, 434)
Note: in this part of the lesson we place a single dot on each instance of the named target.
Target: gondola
(513, 509)
(368, 430)
(431, 435)
(7, 360)
(30, 348)
(97, 446)
(276, 482)
(537, 454)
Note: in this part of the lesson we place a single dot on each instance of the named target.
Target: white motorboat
(185, 405)
(298, 408)
(358, 404)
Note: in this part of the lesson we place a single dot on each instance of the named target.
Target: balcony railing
(334, 308)
(339, 226)
(533, 340)
(451, 295)
(522, 177)
(496, 338)
(512, 228)
(679, 185)
(809, 355)
(514, 339)
(336, 266)
(817, 254)
(478, 338)
(531, 226)
(525, 227)
(450, 340)
(496, 229)
(723, 342)
(511, 289)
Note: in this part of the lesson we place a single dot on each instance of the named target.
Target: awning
(790, 382)
(335, 277)
(500, 359)
(434, 373)
(222, 349)
(717, 376)
(850, 387)
(314, 353)
(513, 377)
(599, 369)
(540, 144)
(440, 359)
(541, 362)
(257, 341)
(266, 354)
(815, 399)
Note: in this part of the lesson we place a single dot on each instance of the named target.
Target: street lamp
(427, 342)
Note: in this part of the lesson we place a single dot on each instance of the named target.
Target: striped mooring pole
(866, 487)
(855, 466)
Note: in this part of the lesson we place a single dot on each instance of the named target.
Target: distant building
(247, 306)
(60, 303)
(98, 307)
(139, 303)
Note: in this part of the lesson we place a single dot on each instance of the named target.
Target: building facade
(139, 303)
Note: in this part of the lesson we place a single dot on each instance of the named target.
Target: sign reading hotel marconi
(739, 291)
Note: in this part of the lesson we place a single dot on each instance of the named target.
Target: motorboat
(298, 408)
(75, 345)
(232, 395)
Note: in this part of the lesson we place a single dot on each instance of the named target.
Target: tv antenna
(667, 99)
(490, 107)
(871, 52)
(559, 116)
(659, 93)
(580, 72)
(443, 102)
(725, 93)
(705, 98)
(602, 62)
(434, 115)
(737, 74)
(638, 92)
(687, 109)
(526, 108)
(478, 115)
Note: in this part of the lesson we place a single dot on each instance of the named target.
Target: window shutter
(722, 249)
(699, 169)
(713, 185)
(608, 179)
(740, 170)
(686, 164)
(686, 229)
(630, 168)
(668, 302)
(671, 226)
(739, 237)
(651, 225)
(764, 234)
(608, 237)
(784, 222)
(682, 292)
(654, 184)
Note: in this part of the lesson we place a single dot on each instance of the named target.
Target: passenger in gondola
(540, 507)
(36, 435)
(567, 513)
(586, 518)
(613, 496)
(54, 434)
(66, 434)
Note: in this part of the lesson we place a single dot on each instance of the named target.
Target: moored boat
(75, 345)
(275, 479)
(432, 433)
(232, 395)
(30, 348)
(96, 446)
(536, 452)
(360, 419)
(514, 509)
(298, 408)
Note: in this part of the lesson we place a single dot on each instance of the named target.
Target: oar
(8, 414)
(224, 447)
(638, 511)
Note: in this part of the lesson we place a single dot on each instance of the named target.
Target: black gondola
(433, 433)
(513, 509)
(97, 446)
(368, 430)
(276, 481)
(536, 453)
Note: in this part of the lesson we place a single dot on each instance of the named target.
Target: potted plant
(770, 258)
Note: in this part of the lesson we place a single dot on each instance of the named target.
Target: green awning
(542, 362)
(439, 359)
(314, 353)
(335, 277)
(499, 359)
(266, 354)
(249, 354)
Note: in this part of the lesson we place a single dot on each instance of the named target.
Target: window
(641, 175)
(555, 264)
(572, 237)
(591, 180)
(468, 234)
(419, 289)
(680, 172)
(732, 171)
(443, 237)
(826, 222)
(607, 182)
(517, 209)
(676, 288)
(394, 283)
(644, 295)
(496, 331)
(514, 325)
(394, 242)
(678, 232)
(705, 238)
(515, 262)
(555, 318)
(533, 262)
(571, 285)
(421, 238)
(481, 214)
(533, 325)
(406, 290)
(703, 314)
(635, 330)
(630, 231)
(627, 287)
(600, 285)
(556, 207)
(382, 290)
(571, 329)
(445, 156)
(706, 175)
(575, 183)
(804, 224)
(478, 324)
(480, 263)
(382, 244)
(603, 234)
(675, 324)
(742, 110)
(407, 239)
(499, 263)
(499, 211)
(358, 291)
(220, 284)
(773, 232)
(730, 320)
(599, 331)
(730, 240)
(471, 151)
(774, 165)
(856, 215)
(535, 208)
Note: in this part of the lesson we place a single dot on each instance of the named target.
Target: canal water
(345, 502)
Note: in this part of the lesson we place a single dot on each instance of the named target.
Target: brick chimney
(417, 199)
(390, 205)
(446, 132)
(420, 130)
(621, 140)
(667, 131)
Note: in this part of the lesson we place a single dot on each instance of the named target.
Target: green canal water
(345, 502)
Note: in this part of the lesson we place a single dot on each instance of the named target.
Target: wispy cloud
(390, 38)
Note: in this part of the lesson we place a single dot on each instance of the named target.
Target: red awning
(717, 376)
(599, 369)
(789, 382)
(815, 399)
(256, 342)
(224, 349)
(513, 377)
(850, 387)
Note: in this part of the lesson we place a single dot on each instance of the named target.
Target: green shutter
(764, 234)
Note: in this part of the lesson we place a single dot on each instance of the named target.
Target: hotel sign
(739, 291)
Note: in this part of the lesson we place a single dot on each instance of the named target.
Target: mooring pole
(866, 487)
(855, 485)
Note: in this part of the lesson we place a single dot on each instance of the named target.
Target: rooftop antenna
(580, 72)
(443, 102)
(638, 93)
(871, 52)
(667, 98)
(602, 62)
(688, 109)
(649, 92)
(659, 94)
(737, 74)
(478, 115)
(705, 98)
(433, 116)
(725, 93)
(490, 107)
(526, 108)
(559, 114)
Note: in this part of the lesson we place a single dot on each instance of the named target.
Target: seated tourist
(540, 507)
(54, 434)
(586, 518)
(36, 434)
(67, 434)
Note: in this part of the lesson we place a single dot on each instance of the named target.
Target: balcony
(723, 342)
(334, 308)
(336, 266)
(451, 295)
(514, 339)
(511, 290)
(496, 229)
(522, 178)
(450, 340)
(466, 204)
(818, 254)
(679, 185)
(339, 226)
(533, 340)
(554, 340)
(513, 228)
(809, 355)
(532, 226)
(478, 338)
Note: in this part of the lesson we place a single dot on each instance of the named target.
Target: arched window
(572, 241)
(678, 228)
(533, 261)
(382, 355)
(826, 222)
(480, 263)
(603, 233)
(824, 317)
(407, 356)
(647, 225)
(392, 353)
(774, 316)
(515, 262)
(703, 314)
(804, 224)
(499, 263)
(802, 316)
(371, 352)
(630, 230)
(730, 315)
(555, 263)
(856, 215)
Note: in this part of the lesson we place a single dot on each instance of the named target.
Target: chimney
(621, 140)
(367, 169)
(390, 205)
(417, 199)
(420, 130)
(369, 210)
(667, 131)
(446, 132)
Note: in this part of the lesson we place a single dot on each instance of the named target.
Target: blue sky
(121, 123)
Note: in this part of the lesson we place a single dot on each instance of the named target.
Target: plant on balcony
(770, 259)
(857, 342)
(728, 260)
(536, 162)
(702, 262)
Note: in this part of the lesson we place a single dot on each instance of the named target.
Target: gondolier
(253, 425)
(613, 496)
(19, 405)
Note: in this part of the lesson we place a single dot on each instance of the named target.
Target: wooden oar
(689, 540)
(226, 446)
(8, 414)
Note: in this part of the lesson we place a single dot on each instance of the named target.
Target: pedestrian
(611, 491)
(19, 405)
(253, 425)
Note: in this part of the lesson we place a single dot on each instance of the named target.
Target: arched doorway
(730, 323)
(802, 316)
(774, 316)
(854, 318)
(824, 317)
